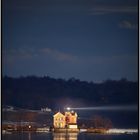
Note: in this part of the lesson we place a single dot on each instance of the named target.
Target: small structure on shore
(66, 120)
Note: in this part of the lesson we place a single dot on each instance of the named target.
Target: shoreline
(68, 131)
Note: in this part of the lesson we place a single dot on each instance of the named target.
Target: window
(60, 119)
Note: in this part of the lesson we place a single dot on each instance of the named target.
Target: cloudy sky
(91, 40)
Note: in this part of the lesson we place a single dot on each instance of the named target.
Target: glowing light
(107, 108)
(29, 126)
(68, 108)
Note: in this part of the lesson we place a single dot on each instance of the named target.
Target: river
(70, 136)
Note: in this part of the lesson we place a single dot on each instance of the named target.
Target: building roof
(58, 113)
(72, 113)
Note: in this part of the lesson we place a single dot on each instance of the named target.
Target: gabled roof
(58, 113)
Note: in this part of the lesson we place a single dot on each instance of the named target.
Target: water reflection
(65, 136)
(29, 136)
(98, 137)
(69, 136)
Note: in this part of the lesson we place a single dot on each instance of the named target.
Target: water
(72, 136)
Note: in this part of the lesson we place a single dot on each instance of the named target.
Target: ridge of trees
(35, 92)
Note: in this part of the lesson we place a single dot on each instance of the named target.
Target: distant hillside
(36, 92)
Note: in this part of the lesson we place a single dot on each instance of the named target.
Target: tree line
(36, 92)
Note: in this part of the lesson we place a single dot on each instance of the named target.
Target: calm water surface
(63, 136)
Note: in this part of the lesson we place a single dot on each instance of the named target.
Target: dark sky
(91, 40)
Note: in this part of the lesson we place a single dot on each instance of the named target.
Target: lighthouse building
(65, 120)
